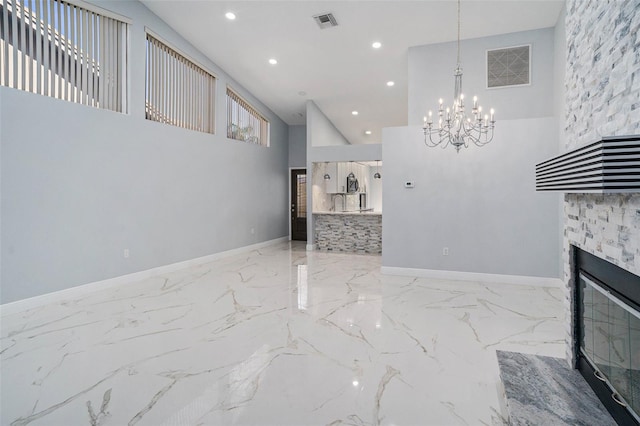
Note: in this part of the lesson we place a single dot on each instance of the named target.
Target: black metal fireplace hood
(609, 166)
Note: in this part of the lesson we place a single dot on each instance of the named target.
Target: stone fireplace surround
(607, 226)
(602, 98)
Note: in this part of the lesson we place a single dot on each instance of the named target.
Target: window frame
(194, 62)
(251, 110)
(66, 79)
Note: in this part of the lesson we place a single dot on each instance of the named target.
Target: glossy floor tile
(278, 336)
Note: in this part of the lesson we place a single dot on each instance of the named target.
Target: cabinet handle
(599, 375)
(615, 397)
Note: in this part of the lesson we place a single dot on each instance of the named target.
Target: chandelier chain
(458, 60)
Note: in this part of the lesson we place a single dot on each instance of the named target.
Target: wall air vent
(609, 166)
(510, 66)
(325, 20)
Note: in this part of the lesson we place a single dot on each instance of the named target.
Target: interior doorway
(299, 204)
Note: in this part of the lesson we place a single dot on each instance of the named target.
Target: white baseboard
(74, 292)
(473, 276)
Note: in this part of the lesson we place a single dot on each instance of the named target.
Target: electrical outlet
(126, 253)
(445, 251)
(253, 231)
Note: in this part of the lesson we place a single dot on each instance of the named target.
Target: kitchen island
(349, 232)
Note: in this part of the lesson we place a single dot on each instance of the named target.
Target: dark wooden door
(299, 204)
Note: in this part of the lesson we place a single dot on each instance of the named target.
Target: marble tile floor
(277, 336)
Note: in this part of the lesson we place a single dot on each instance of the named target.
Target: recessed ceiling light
(230, 16)
(367, 132)
(354, 112)
(273, 61)
(390, 83)
(376, 45)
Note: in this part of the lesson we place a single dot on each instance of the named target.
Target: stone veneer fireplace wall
(602, 98)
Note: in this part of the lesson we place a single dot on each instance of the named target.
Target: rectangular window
(244, 123)
(59, 49)
(178, 92)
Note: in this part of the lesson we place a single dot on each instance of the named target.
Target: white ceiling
(337, 68)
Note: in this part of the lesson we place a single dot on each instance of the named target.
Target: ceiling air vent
(325, 20)
(509, 67)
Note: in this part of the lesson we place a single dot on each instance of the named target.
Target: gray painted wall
(324, 132)
(298, 146)
(79, 185)
(361, 152)
(480, 203)
(431, 76)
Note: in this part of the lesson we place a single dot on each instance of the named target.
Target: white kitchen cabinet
(341, 181)
(363, 177)
(330, 185)
(338, 182)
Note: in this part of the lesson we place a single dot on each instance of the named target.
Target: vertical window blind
(178, 92)
(244, 123)
(58, 49)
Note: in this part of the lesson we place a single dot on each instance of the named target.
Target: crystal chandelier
(454, 127)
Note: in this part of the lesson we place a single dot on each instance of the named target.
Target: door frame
(289, 197)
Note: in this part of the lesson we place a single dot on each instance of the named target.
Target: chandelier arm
(476, 132)
(446, 139)
(430, 142)
(443, 136)
(469, 130)
(488, 136)
(442, 140)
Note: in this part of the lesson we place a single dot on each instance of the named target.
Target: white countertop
(370, 213)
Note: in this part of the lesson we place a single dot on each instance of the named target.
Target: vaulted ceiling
(337, 67)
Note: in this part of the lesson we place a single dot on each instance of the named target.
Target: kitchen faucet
(333, 202)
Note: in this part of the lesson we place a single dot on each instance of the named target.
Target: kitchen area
(347, 206)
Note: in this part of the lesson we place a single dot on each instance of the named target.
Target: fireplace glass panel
(610, 340)
(634, 343)
(586, 343)
(601, 336)
(619, 350)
